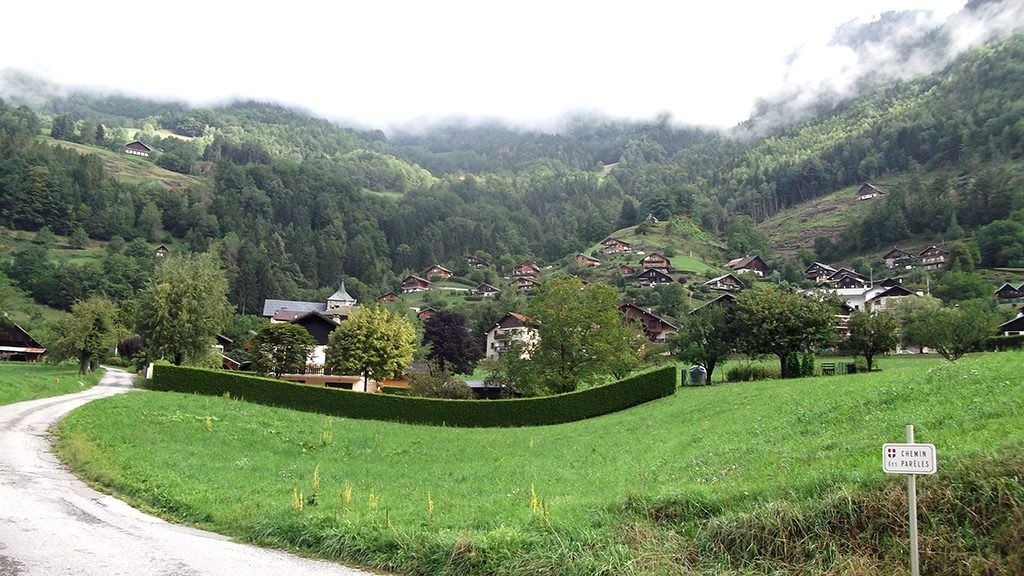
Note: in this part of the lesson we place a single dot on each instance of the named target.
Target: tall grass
(764, 477)
(21, 381)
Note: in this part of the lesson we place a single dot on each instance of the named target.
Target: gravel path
(52, 524)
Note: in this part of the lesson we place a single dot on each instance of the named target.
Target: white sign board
(909, 459)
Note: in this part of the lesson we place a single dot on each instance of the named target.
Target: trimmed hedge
(467, 413)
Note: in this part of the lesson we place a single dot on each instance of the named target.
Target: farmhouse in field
(588, 261)
(614, 246)
(754, 264)
(138, 148)
(415, 284)
(652, 276)
(725, 283)
(16, 344)
(437, 271)
(655, 260)
(869, 191)
(1010, 293)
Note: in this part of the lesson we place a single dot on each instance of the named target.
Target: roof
(723, 299)
(140, 143)
(272, 306)
(870, 188)
(825, 267)
(648, 314)
(743, 262)
(311, 314)
(1015, 324)
(892, 291)
(932, 247)
(418, 279)
(723, 277)
(437, 267)
(612, 240)
(342, 295)
(896, 252)
(485, 287)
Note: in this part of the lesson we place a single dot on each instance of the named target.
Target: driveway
(51, 523)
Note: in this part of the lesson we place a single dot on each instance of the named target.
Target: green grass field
(771, 476)
(21, 381)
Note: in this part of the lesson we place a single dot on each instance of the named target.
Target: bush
(996, 343)
(468, 413)
(751, 372)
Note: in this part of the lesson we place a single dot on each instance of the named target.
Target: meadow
(21, 381)
(761, 477)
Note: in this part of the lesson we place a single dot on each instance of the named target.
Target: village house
(425, 314)
(485, 290)
(477, 263)
(652, 277)
(527, 268)
(933, 258)
(415, 284)
(138, 148)
(161, 251)
(588, 261)
(525, 283)
(818, 272)
(16, 344)
(868, 191)
(897, 258)
(1014, 327)
(655, 260)
(725, 283)
(437, 271)
(869, 299)
(753, 264)
(388, 297)
(655, 327)
(626, 270)
(1009, 293)
(614, 246)
(510, 329)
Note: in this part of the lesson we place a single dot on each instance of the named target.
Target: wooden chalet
(933, 258)
(425, 314)
(886, 299)
(588, 261)
(652, 277)
(725, 283)
(890, 282)
(319, 326)
(655, 327)
(527, 268)
(868, 191)
(1010, 293)
(614, 246)
(486, 290)
(754, 264)
(161, 251)
(818, 272)
(18, 345)
(525, 283)
(415, 284)
(626, 270)
(727, 300)
(477, 263)
(897, 258)
(1014, 327)
(138, 148)
(437, 271)
(849, 281)
(655, 260)
(388, 297)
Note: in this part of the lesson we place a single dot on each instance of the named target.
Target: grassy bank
(763, 477)
(23, 381)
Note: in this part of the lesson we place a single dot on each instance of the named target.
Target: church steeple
(340, 298)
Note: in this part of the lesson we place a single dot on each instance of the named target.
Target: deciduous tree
(956, 330)
(183, 308)
(705, 337)
(89, 332)
(873, 334)
(374, 342)
(780, 322)
(281, 348)
(452, 346)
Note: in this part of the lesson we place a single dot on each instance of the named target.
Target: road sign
(909, 459)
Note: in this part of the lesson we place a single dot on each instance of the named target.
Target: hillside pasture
(20, 381)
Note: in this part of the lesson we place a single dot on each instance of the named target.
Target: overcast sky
(382, 63)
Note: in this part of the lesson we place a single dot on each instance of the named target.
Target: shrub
(751, 372)
(468, 413)
(996, 343)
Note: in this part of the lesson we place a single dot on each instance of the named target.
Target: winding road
(52, 524)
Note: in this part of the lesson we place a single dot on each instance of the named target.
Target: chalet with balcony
(510, 329)
(615, 246)
(138, 148)
(525, 283)
(652, 277)
(1009, 293)
(415, 284)
(655, 327)
(486, 290)
(655, 260)
(725, 283)
(626, 270)
(818, 272)
(588, 261)
(527, 268)
(897, 258)
(752, 264)
(388, 297)
(425, 314)
(437, 271)
(933, 258)
(476, 263)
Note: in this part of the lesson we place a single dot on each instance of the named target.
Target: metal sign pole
(912, 500)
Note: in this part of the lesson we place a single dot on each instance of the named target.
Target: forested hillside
(293, 203)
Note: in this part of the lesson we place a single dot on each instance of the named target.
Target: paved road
(52, 524)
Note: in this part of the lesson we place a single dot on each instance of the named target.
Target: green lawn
(673, 486)
(24, 381)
